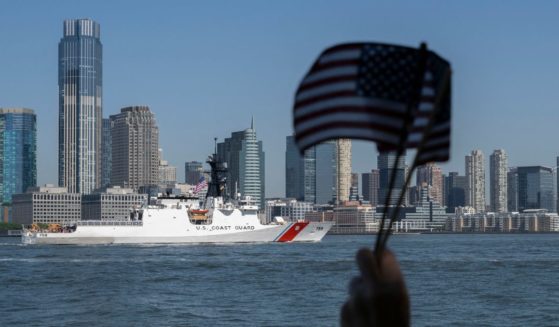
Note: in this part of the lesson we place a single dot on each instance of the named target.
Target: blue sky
(205, 68)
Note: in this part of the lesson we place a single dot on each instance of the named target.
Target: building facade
(343, 186)
(107, 158)
(114, 204)
(498, 168)
(245, 160)
(455, 186)
(300, 172)
(326, 164)
(512, 189)
(135, 148)
(386, 161)
(354, 190)
(430, 174)
(475, 181)
(535, 188)
(167, 173)
(193, 170)
(46, 205)
(18, 152)
(80, 115)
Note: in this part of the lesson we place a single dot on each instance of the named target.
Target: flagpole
(431, 121)
(412, 104)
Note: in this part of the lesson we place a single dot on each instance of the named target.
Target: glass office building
(80, 106)
(300, 172)
(535, 188)
(386, 161)
(18, 151)
(245, 160)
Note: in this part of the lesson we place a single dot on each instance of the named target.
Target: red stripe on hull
(292, 232)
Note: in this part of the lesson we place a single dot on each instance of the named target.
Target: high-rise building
(344, 170)
(193, 170)
(18, 151)
(354, 190)
(455, 186)
(535, 188)
(167, 173)
(498, 166)
(245, 160)
(366, 186)
(135, 144)
(475, 177)
(512, 189)
(326, 164)
(107, 153)
(386, 161)
(430, 174)
(80, 106)
(300, 172)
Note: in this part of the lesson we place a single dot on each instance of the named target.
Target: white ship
(183, 220)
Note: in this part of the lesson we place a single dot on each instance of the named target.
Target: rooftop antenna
(215, 145)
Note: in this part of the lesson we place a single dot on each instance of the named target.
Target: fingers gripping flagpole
(410, 111)
(421, 146)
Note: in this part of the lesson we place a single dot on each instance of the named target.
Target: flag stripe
(378, 113)
(348, 54)
(350, 101)
(329, 73)
(347, 116)
(347, 125)
(325, 89)
(349, 132)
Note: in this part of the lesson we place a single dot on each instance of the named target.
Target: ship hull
(290, 232)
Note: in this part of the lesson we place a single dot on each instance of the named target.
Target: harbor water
(459, 280)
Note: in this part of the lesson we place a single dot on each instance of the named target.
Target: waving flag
(377, 92)
(201, 184)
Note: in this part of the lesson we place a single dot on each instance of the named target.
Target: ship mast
(218, 178)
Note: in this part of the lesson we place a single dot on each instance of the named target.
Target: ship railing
(109, 223)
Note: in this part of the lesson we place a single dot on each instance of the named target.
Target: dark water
(460, 280)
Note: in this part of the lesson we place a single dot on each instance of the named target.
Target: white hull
(172, 225)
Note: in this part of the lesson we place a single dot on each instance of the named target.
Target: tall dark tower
(80, 115)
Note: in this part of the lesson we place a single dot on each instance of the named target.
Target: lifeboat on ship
(198, 214)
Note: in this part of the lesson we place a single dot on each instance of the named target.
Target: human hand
(378, 297)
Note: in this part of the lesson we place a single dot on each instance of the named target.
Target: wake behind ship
(184, 220)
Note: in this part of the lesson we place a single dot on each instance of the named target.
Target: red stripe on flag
(293, 232)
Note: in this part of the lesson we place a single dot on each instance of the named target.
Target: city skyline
(486, 90)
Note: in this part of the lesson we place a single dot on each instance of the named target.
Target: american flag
(364, 90)
(201, 184)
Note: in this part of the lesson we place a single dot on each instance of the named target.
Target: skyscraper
(344, 169)
(512, 189)
(431, 175)
(135, 145)
(80, 106)
(456, 191)
(354, 190)
(475, 181)
(193, 170)
(535, 188)
(498, 166)
(167, 173)
(386, 161)
(245, 160)
(326, 172)
(107, 153)
(18, 151)
(300, 172)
